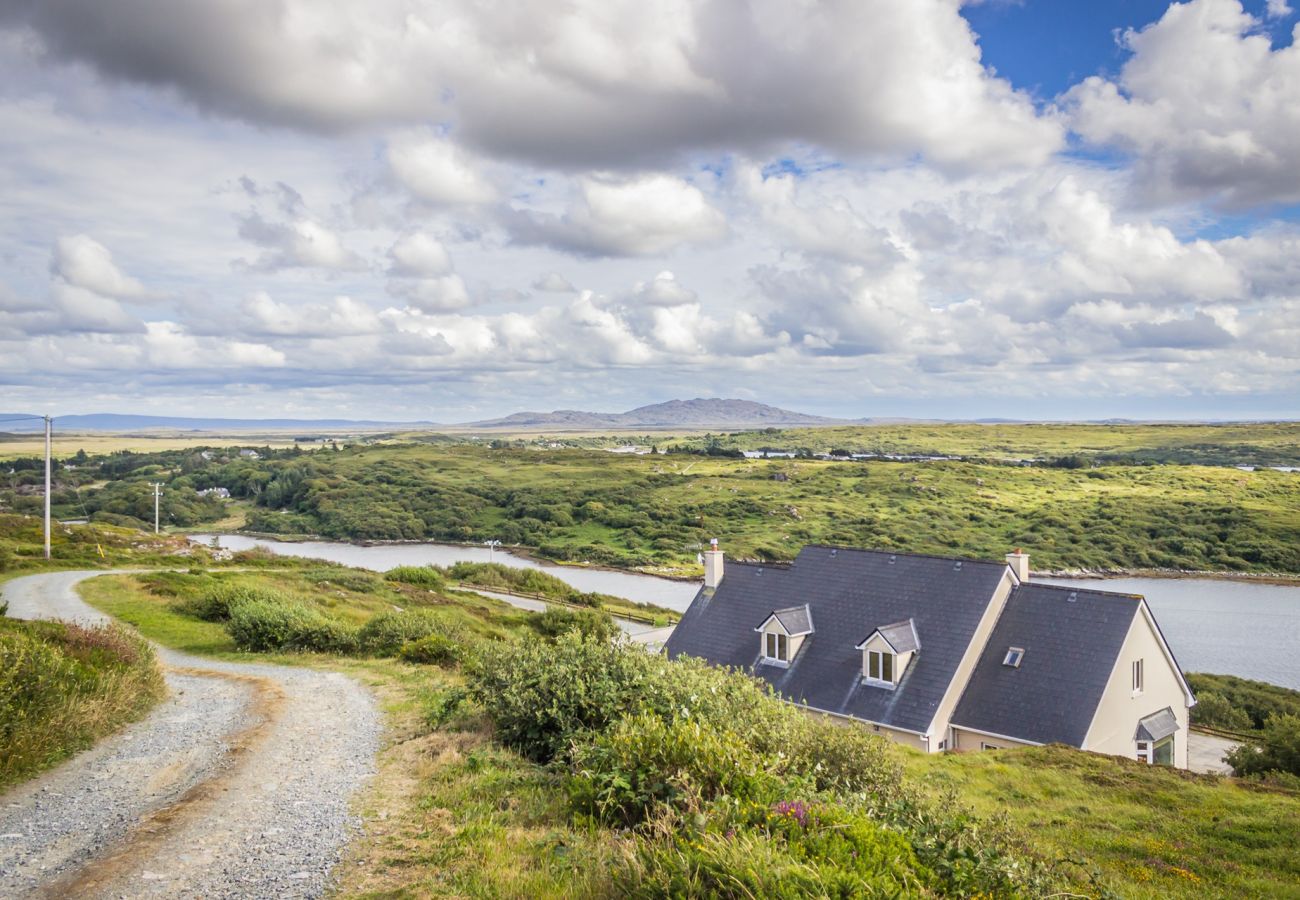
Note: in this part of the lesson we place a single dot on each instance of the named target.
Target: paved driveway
(1205, 753)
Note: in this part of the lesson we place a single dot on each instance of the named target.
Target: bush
(1216, 711)
(1257, 699)
(593, 623)
(432, 649)
(542, 696)
(429, 577)
(385, 634)
(1276, 750)
(643, 762)
(264, 624)
(339, 576)
(844, 758)
(443, 705)
(213, 604)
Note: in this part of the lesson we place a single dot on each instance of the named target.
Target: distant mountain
(697, 413)
(116, 422)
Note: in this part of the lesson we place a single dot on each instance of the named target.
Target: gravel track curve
(238, 785)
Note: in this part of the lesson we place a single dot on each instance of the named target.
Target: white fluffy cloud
(603, 83)
(435, 171)
(83, 262)
(419, 255)
(1204, 104)
(301, 243)
(646, 215)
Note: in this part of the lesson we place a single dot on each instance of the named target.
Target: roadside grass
(1150, 831)
(449, 811)
(62, 686)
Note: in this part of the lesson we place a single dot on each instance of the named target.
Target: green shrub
(432, 649)
(1257, 699)
(443, 705)
(557, 620)
(1216, 711)
(214, 603)
(385, 634)
(1277, 749)
(429, 577)
(844, 758)
(644, 761)
(264, 625)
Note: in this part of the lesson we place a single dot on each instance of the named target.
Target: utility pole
(48, 423)
(157, 492)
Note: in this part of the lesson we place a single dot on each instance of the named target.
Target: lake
(381, 557)
(1212, 625)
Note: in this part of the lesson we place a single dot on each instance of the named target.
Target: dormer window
(782, 633)
(887, 652)
(777, 649)
(1013, 657)
(880, 666)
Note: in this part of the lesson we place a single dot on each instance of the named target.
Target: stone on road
(238, 785)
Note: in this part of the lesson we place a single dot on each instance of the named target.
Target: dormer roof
(796, 620)
(900, 636)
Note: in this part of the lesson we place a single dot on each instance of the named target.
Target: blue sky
(421, 210)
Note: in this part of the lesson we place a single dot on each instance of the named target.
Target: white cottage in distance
(943, 653)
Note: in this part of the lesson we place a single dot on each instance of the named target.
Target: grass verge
(62, 686)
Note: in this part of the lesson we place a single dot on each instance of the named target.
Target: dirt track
(238, 785)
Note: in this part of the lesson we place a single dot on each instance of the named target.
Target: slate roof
(900, 635)
(796, 620)
(849, 593)
(1071, 639)
(1157, 725)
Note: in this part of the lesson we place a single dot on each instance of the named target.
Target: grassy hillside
(62, 686)
(1150, 831)
(457, 809)
(657, 510)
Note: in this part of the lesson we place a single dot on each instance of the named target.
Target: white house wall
(1117, 716)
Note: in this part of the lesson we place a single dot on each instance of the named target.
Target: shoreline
(1282, 579)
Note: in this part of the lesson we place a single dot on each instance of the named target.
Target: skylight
(1013, 657)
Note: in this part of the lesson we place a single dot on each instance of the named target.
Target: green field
(1095, 499)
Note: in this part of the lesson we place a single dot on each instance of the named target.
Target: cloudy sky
(450, 209)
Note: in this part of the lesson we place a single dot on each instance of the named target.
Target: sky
(447, 210)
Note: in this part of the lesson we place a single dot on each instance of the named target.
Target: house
(943, 653)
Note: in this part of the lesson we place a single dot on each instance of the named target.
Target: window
(1137, 676)
(985, 745)
(776, 647)
(1163, 752)
(1160, 753)
(880, 666)
(1013, 657)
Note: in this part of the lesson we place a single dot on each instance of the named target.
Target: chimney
(712, 565)
(1019, 563)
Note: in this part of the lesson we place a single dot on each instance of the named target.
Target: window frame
(878, 658)
(1018, 653)
(774, 642)
(1137, 672)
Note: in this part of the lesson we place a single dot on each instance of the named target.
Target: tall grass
(64, 685)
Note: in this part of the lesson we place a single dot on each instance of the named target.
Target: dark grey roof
(900, 635)
(1157, 725)
(796, 620)
(849, 593)
(1071, 639)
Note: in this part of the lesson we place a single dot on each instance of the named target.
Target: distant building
(219, 492)
(250, 454)
(946, 654)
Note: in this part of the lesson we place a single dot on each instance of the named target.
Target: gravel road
(238, 785)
